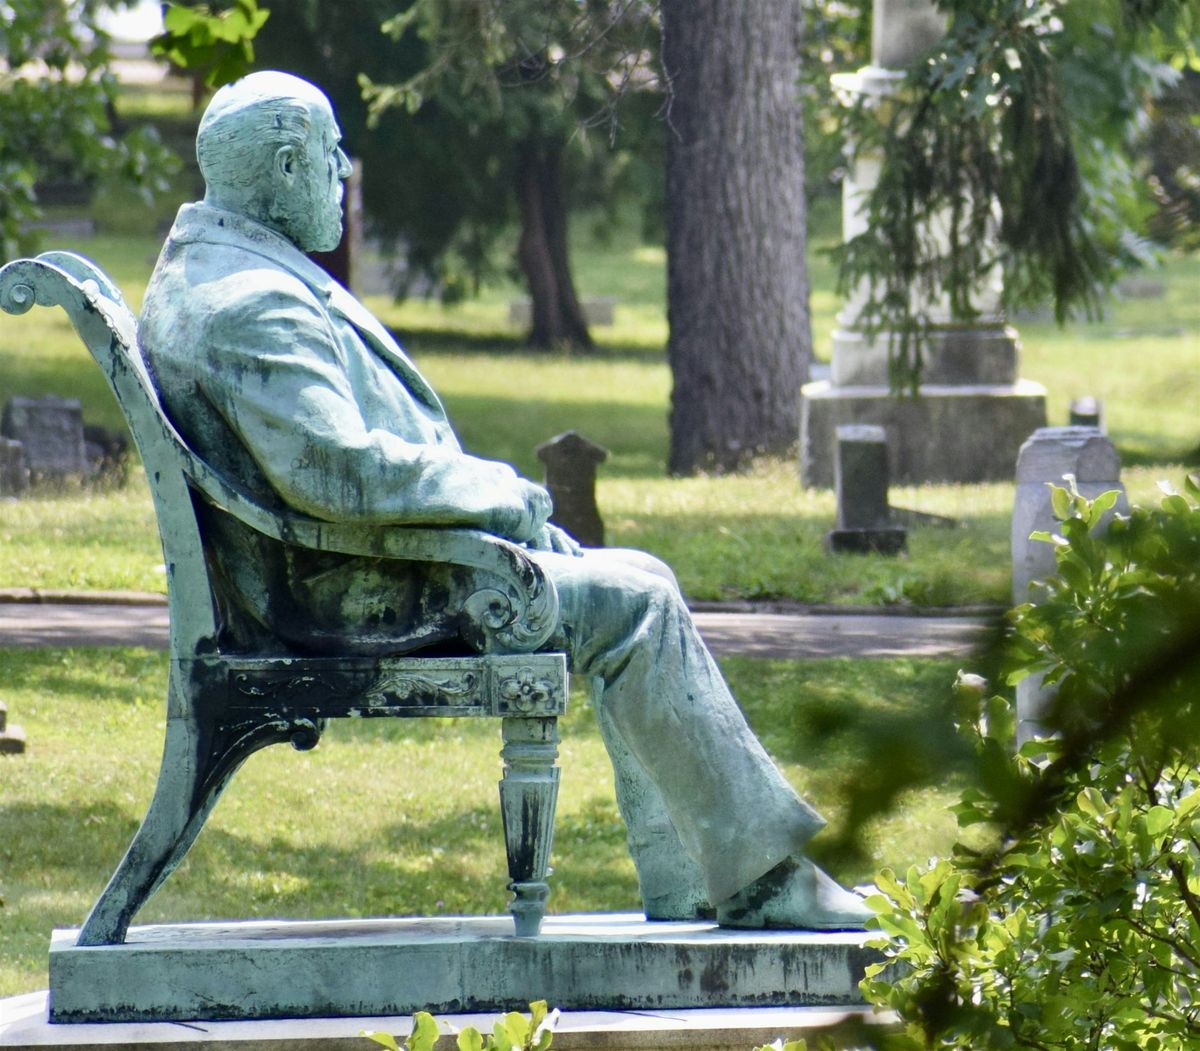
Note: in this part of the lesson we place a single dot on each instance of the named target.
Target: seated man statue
(277, 376)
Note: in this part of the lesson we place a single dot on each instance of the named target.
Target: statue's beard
(310, 217)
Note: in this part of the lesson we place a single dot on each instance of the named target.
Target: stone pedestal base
(24, 1026)
(948, 434)
(881, 540)
(392, 967)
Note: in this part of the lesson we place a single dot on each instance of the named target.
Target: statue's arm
(278, 374)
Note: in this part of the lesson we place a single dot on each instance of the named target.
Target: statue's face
(308, 203)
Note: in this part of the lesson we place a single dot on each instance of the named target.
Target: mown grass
(386, 817)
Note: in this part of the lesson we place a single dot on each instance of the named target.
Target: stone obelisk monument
(972, 412)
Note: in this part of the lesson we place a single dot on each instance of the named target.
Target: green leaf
(1158, 820)
(1104, 503)
(1060, 502)
(180, 19)
(537, 1013)
(501, 1040)
(425, 1032)
(470, 1039)
(518, 1028)
(382, 1039)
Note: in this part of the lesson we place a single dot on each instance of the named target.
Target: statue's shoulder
(216, 265)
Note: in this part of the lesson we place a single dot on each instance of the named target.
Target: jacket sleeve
(277, 372)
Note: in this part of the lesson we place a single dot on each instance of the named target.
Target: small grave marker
(571, 461)
(14, 471)
(51, 431)
(864, 519)
(12, 738)
(1087, 412)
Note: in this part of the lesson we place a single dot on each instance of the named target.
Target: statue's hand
(552, 538)
(537, 508)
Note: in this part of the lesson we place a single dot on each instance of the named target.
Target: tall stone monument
(972, 412)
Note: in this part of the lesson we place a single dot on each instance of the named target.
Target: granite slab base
(24, 1026)
(331, 968)
(948, 434)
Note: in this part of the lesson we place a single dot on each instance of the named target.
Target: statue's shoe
(795, 895)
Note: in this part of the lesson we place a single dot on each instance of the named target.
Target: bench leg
(528, 796)
(199, 758)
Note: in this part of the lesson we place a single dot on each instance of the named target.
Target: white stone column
(974, 411)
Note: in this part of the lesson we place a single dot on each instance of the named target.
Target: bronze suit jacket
(284, 382)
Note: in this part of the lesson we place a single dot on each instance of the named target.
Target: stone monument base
(24, 1027)
(306, 969)
(962, 433)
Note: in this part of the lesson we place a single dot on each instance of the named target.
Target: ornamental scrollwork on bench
(422, 690)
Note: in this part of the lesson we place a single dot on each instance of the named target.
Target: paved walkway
(754, 634)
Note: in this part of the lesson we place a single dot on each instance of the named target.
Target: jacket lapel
(204, 222)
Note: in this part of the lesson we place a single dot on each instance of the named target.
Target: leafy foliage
(512, 1032)
(1013, 140)
(1081, 927)
(57, 114)
(219, 43)
(454, 93)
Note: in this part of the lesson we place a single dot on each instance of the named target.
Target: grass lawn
(386, 817)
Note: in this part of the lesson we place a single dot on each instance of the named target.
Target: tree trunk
(737, 282)
(542, 252)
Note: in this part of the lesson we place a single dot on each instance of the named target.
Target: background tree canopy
(58, 125)
(478, 116)
(1019, 134)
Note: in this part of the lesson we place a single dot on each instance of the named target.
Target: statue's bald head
(267, 148)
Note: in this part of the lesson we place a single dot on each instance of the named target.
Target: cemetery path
(741, 632)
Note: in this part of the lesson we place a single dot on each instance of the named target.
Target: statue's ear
(285, 163)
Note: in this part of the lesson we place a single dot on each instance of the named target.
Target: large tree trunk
(737, 283)
(542, 252)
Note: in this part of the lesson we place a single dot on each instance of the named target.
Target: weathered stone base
(24, 1027)
(882, 540)
(948, 434)
(446, 965)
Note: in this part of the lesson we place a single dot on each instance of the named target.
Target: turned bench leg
(528, 795)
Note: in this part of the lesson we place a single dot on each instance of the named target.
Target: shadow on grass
(1145, 455)
(448, 864)
(431, 341)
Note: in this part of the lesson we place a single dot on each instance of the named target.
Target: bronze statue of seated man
(277, 376)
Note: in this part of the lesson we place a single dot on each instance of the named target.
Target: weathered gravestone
(1050, 454)
(51, 431)
(864, 519)
(14, 471)
(12, 738)
(571, 461)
